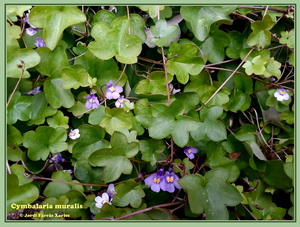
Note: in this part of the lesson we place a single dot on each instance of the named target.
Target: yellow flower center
(91, 100)
(121, 100)
(170, 179)
(282, 92)
(156, 180)
(190, 151)
(72, 133)
(111, 88)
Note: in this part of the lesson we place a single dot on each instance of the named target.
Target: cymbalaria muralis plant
(150, 112)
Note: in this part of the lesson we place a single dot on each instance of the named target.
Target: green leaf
(238, 101)
(20, 195)
(210, 194)
(155, 83)
(19, 171)
(275, 175)
(115, 160)
(201, 18)
(14, 138)
(12, 11)
(115, 40)
(90, 140)
(261, 34)
(104, 16)
(103, 70)
(213, 46)
(43, 141)
(56, 95)
(152, 10)
(162, 126)
(253, 148)
(151, 150)
(40, 109)
(88, 174)
(58, 120)
(236, 44)
(116, 119)
(52, 62)
(76, 76)
(246, 133)
(255, 66)
(54, 20)
(182, 129)
(19, 108)
(210, 128)
(272, 68)
(216, 156)
(162, 33)
(288, 38)
(137, 26)
(15, 57)
(184, 60)
(128, 193)
(55, 189)
(97, 115)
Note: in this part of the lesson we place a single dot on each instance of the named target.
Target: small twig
(249, 212)
(166, 75)
(17, 85)
(223, 84)
(243, 16)
(150, 60)
(263, 8)
(222, 62)
(71, 59)
(222, 69)
(128, 16)
(120, 77)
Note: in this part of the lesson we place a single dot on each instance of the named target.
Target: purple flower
(39, 42)
(190, 151)
(57, 158)
(74, 134)
(169, 181)
(281, 95)
(100, 201)
(31, 31)
(92, 101)
(155, 180)
(111, 191)
(120, 102)
(112, 92)
(34, 91)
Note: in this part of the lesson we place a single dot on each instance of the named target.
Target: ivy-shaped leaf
(213, 46)
(116, 119)
(261, 35)
(90, 140)
(52, 62)
(211, 128)
(12, 11)
(88, 174)
(76, 76)
(16, 56)
(163, 32)
(155, 83)
(201, 18)
(43, 141)
(19, 171)
(58, 120)
(40, 109)
(255, 66)
(115, 40)
(288, 38)
(210, 194)
(151, 150)
(55, 189)
(14, 139)
(17, 194)
(115, 160)
(184, 60)
(19, 108)
(54, 20)
(128, 193)
(103, 70)
(56, 95)
(152, 10)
